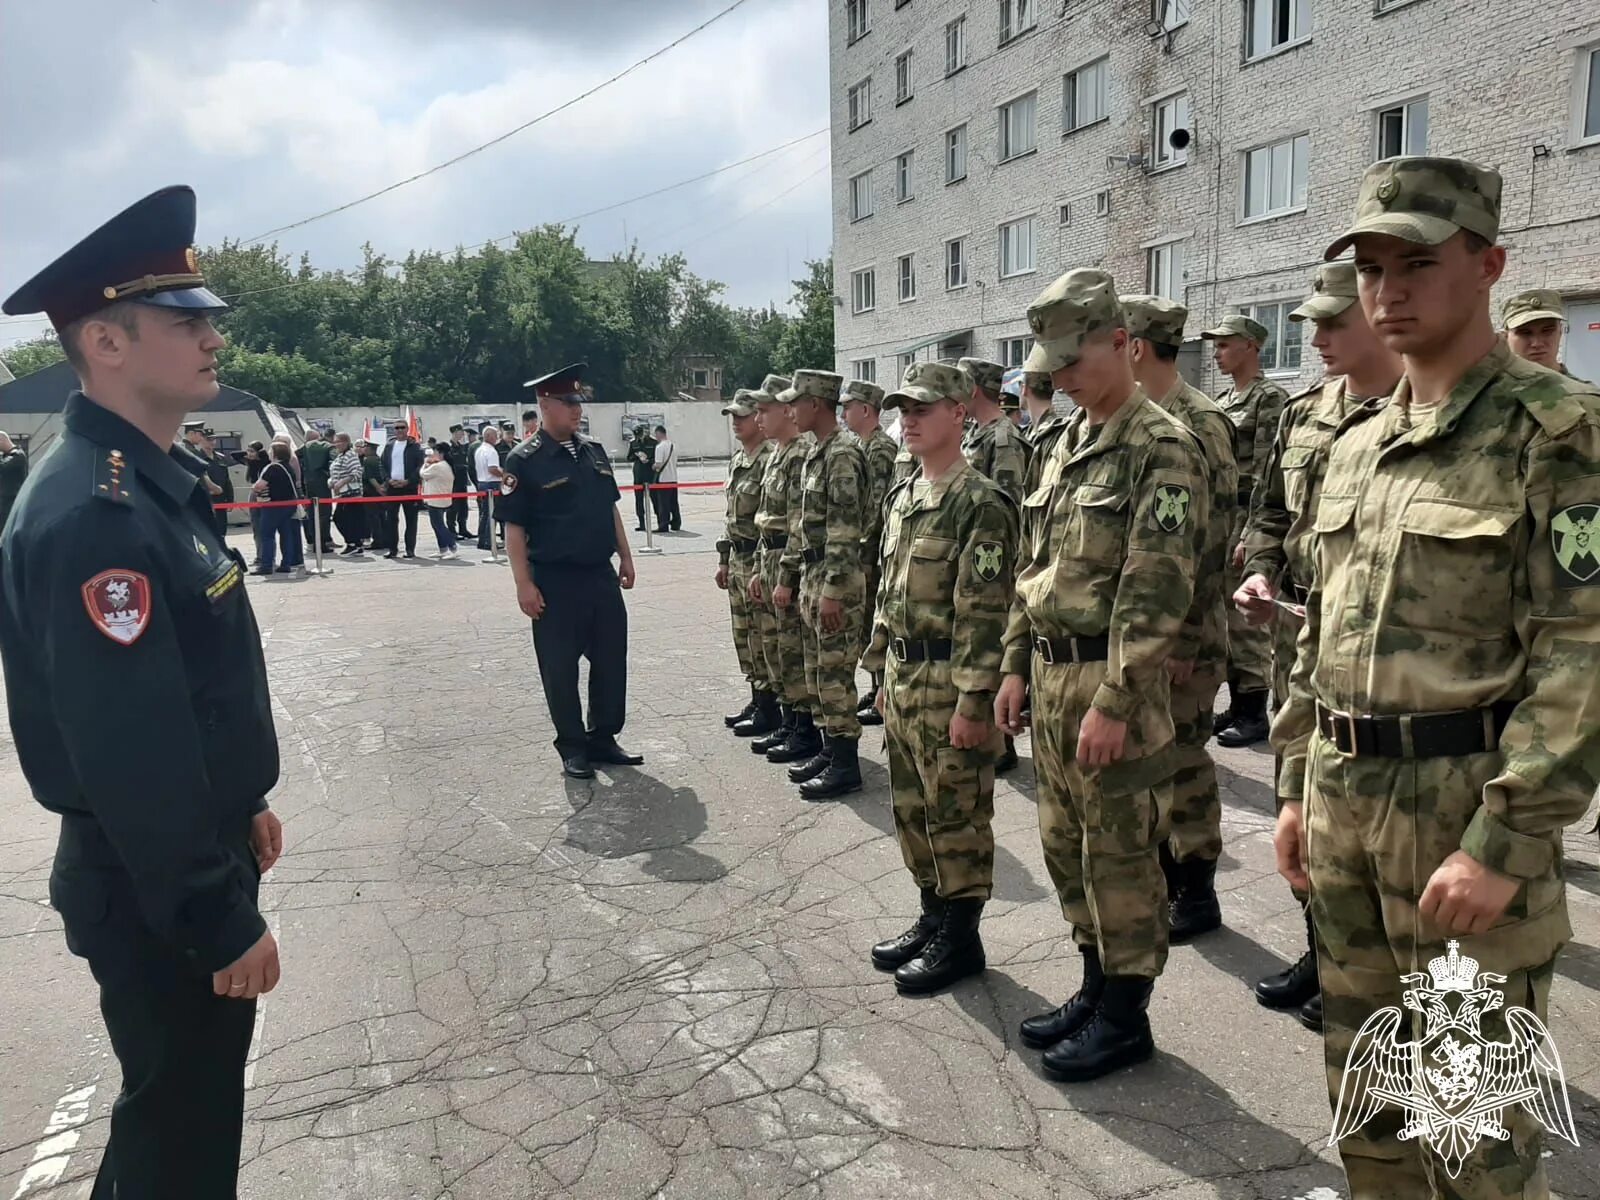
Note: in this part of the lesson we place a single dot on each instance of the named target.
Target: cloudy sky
(278, 109)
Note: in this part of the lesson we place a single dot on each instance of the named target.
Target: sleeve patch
(1172, 506)
(508, 482)
(1575, 538)
(118, 602)
(988, 559)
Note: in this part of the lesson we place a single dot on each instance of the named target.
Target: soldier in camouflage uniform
(1443, 712)
(863, 402)
(736, 553)
(1534, 322)
(1278, 537)
(949, 548)
(994, 445)
(1189, 855)
(1254, 405)
(1049, 422)
(1111, 541)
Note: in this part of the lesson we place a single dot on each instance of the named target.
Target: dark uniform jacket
(13, 471)
(137, 688)
(316, 460)
(566, 504)
(459, 456)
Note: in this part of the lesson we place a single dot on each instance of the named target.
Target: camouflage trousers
(1249, 649)
(869, 608)
(1377, 828)
(1196, 804)
(1101, 827)
(779, 632)
(746, 636)
(1285, 631)
(830, 658)
(943, 797)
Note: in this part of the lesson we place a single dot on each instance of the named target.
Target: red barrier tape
(416, 498)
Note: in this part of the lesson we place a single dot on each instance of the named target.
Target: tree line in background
(466, 329)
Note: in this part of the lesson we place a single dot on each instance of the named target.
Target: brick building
(981, 147)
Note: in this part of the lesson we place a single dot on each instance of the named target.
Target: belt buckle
(1349, 720)
(898, 645)
(1046, 649)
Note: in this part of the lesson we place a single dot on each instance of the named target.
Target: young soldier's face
(1419, 298)
(1538, 342)
(1345, 341)
(1103, 366)
(932, 428)
(775, 420)
(174, 357)
(857, 416)
(1234, 353)
(746, 428)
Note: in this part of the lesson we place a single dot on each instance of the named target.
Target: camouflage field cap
(1155, 319)
(1039, 383)
(1332, 293)
(820, 385)
(743, 403)
(867, 393)
(983, 373)
(1540, 304)
(1424, 200)
(1063, 316)
(1238, 325)
(929, 383)
(773, 384)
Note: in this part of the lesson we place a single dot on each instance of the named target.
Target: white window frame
(1586, 75)
(1014, 350)
(955, 142)
(1164, 267)
(1019, 129)
(955, 46)
(1173, 14)
(857, 21)
(863, 290)
(699, 377)
(905, 84)
(1293, 16)
(1102, 202)
(1408, 121)
(1279, 327)
(864, 369)
(1018, 247)
(1294, 142)
(1016, 18)
(955, 264)
(905, 177)
(1166, 114)
(859, 98)
(861, 195)
(902, 363)
(1064, 213)
(905, 274)
(1069, 97)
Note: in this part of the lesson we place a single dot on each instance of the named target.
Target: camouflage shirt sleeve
(1269, 413)
(1009, 464)
(790, 562)
(985, 572)
(880, 453)
(847, 491)
(1297, 718)
(1267, 523)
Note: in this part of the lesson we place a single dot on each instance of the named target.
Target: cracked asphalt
(500, 983)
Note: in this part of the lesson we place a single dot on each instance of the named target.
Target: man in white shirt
(486, 460)
(666, 499)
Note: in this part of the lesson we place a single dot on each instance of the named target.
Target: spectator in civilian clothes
(490, 472)
(437, 480)
(315, 457)
(344, 482)
(255, 461)
(402, 475)
(666, 470)
(278, 526)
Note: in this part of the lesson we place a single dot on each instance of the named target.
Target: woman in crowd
(278, 526)
(437, 478)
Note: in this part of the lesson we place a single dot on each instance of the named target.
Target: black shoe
(1193, 908)
(608, 751)
(763, 720)
(898, 951)
(1223, 720)
(1293, 987)
(815, 765)
(1309, 1014)
(663, 529)
(283, 570)
(745, 713)
(1116, 1036)
(954, 952)
(1249, 724)
(348, 550)
(1008, 760)
(640, 529)
(780, 732)
(576, 766)
(392, 554)
(1046, 1029)
(842, 775)
(802, 743)
(262, 571)
(410, 554)
(867, 708)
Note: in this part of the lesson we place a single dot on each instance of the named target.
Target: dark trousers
(221, 518)
(389, 519)
(351, 520)
(439, 518)
(278, 528)
(322, 519)
(667, 513)
(638, 504)
(486, 528)
(458, 507)
(584, 617)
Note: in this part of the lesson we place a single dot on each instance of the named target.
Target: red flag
(413, 426)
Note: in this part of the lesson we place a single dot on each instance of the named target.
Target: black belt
(937, 650)
(1072, 650)
(773, 541)
(811, 556)
(1415, 735)
(743, 545)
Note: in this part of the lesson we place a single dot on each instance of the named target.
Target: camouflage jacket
(780, 498)
(1110, 544)
(999, 451)
(880, 452)
(831, 515)
(1255, 413)
(906, 466)
(1043, 435)
(949, 550)
(1457, 566)
(1213, 590)
(743, 494)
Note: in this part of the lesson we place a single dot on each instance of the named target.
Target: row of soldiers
(1417, 534)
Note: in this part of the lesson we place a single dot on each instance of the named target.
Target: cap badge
(1387, 191)
(193, 261)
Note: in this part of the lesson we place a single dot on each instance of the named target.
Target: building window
(902, 364)
(1403, 129)
(855, 17)
(955, 45)
(863, 291)
(700, 378)
(1164, 271)
(1170, 114)
(955, 263)
(1016, 247)
(861, 103)
(908, 277)
(1171, 13)
(1587, 82)
(902, 78)
(1016, 18)
(1102, 203)
(1017, 126)
(955, 154)
(1084, 96)
(864, 369)
(1275, 177)
(1014, 351)
(1272, 24)
(861, 196)
(1281, 354)
(1065, 214)
(904, 185)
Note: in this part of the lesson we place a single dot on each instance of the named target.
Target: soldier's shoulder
(527, 448)
(1559, 403)
(1274, 390)
(983, 492)
(1312, 393)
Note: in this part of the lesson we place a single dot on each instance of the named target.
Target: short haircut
(280, 451)
(123, 313)
(531, 414)
(1164, 351)
(1043, 390)
(661, 428)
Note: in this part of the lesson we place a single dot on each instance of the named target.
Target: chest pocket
(746, 498)
(1454, 567)
(1099, 532)
(1298, 465)
(931, 570)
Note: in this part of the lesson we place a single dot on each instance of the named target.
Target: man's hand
(1289, 843)
(212, 488)
(1238, 557)
(1179, 670)
(266, 839)
(530, 599)
(253, 974)
(756, 593)
(624, 574)
(1255, 599)
(722, 576)
(1464, 896)
(965, 733)
(1008, 702)
(782, 595)
(830, 615)
(1101, 741)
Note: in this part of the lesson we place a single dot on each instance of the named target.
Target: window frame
(1172, 158)
(901, 262)
(870, 276)
(695, 374)
(1068, 94)
(1022, 342)
(1404, 108)
(1585, 76)
(1276, 335)
(1031, 221)
(905, 176)
(857, 192)
(1269, 213)
(1161, 10)
(904, 67)
(1173, 250)
(855, 30)
(1011, 29)
(856, 108)
(954, 63)
(964, 261)
(1298, 37)
(1006, 152)
(869, 374)
(964, 143)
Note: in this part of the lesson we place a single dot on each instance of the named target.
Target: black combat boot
(766, 717)
(1047, 1029)
(1297, 985)
(802, 743)
(867, 707)
(811, 767)
(843, 773)
(1309, 1014)
(1249, 724)
(745, 713)
(1225, 718)
(1116, 1036)
(952, 953)
(1193, 908)
(1008, 759)
(779, 734)
(897, 951)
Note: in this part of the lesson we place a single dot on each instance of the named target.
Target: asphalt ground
(501, 983)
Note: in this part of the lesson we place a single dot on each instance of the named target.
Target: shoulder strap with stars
(112, 479)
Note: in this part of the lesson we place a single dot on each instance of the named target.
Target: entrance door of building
(1582, 350)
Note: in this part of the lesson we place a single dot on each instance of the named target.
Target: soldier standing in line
(1254, 405)
(861, 415)
(1048, 424)
(949, 548)
(1442, 711)
(1189, 855)
(736, 551)
(1534, 323)
(1360, 369)
(1110, 545)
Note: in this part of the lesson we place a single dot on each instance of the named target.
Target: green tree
(807, 340)
(33, 355)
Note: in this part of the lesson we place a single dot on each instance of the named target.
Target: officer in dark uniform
(138, 702)
(559, 501)
(458, 454)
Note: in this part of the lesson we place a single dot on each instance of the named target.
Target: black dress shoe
(610, 752)
(391, 554)
(576, 766)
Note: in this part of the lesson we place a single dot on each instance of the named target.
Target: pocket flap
(1100, 495)
(1442, 519)
(933, 548)
(1334, 513)
(1297, 456)
(1038, 498)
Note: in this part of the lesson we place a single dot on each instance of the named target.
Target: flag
(366, 430)
(413, 426)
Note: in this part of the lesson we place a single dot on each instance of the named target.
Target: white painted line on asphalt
(61, 1135)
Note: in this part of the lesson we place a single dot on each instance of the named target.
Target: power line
(706, 24)
(768, 203)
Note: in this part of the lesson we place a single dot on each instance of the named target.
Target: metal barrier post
(649, 546)
(494, 555)
(316, 538)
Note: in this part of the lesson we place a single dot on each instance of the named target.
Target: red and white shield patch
(118, 602)
(508, 484)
